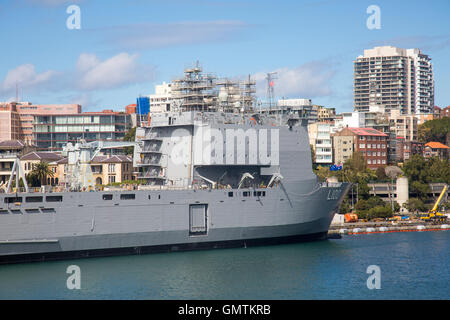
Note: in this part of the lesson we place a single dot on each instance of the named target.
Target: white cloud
(25, 76)
(117, 71)
(309, 80)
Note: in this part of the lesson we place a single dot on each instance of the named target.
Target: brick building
(372, 144)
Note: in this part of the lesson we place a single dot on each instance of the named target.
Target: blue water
(413, 265)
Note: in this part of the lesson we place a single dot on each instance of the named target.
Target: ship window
(246, 193)
(13, 199)
(149, 197)
(16, 211)
(54, 198)
(48, 210)
(107, 197)
(129, 196)
(3, 211)
(32, 210)
(263, 193)
(34, 199)
(230, 194)
(159, 196)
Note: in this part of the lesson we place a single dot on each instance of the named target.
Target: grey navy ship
(215, 179)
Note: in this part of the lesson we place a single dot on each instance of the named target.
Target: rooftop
(45, 156)
(367, 132)
(436, 145)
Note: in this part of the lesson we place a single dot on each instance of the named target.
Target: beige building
(405, 126)
(111, 169)
(30, 160)
(343, 148)
(325, 114)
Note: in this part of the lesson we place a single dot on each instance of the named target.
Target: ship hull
(159, 221)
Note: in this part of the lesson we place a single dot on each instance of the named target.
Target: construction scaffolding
(197, 91)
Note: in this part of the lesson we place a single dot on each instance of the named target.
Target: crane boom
(438, 201)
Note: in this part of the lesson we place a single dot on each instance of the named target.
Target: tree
(41, 171)
(435, 130)
(414, 205)
(313, 155)
(130, 136)
(381, 174)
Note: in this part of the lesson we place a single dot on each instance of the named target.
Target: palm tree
(42, 171)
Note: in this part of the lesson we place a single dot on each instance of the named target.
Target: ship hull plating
(161, 221)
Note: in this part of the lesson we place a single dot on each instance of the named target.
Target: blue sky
(124, 48)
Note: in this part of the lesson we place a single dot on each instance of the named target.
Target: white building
(320, 138)
(161, 100)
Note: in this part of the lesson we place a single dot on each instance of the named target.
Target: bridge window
(34, 199)
(13, 199)
(54, 198)
(129, 196)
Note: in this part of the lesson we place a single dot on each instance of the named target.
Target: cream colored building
(111, 169)
(403, 125)
(320, 138)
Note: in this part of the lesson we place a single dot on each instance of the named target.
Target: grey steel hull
(82, 225)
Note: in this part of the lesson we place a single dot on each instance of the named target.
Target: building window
(111, 179)
(111, 167)
(369, 161)
(362, 146)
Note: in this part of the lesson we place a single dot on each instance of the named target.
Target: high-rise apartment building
(395, 78)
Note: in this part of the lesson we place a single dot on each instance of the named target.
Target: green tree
(381, 174)
(435, 130)
(313, 155)
(130, 136)
(41, 171)
(414, 205)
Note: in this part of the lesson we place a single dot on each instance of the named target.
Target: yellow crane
(433, 214)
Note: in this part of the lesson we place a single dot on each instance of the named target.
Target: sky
(123, 48)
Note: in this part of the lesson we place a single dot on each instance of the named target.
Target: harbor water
(412, 265)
